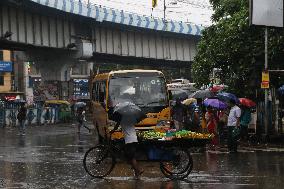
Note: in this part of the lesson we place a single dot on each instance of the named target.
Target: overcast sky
(194, 11)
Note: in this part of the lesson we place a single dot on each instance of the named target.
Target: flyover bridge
(55, 34)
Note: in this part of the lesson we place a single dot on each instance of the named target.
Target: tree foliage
(236, 47)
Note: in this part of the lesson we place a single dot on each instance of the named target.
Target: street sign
(154, 3)
(265, 85)
(266, 12)
(6, 66)
(265, 76)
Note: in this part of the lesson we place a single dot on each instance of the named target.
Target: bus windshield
(144, 90)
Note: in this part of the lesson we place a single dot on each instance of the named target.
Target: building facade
(6, 69)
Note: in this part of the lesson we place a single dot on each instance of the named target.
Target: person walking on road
(127, 115)
(233, 122)
(22, 115)
(81, 118)
(127, 124)
(47, 115)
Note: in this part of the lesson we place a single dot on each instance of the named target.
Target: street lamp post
(266, 90)
(165, 9)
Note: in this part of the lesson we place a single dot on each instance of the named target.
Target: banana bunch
(149, 135)
(192, 135)
(185, 134)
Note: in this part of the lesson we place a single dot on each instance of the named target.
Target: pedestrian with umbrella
(211, 120)
(220, 117)
(81, 118)
(127, 114)
(233, 126)
(189, 114)
(245, 105)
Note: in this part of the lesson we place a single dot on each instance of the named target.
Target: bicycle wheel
(178, 166)
(98, 161)
(178, 176)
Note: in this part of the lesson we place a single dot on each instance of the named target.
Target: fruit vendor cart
(167, 146)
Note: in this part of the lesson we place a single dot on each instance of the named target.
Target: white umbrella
(80, 104)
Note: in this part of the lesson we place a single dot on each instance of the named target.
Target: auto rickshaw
(62, 108)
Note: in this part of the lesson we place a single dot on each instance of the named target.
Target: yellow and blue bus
(145, 88)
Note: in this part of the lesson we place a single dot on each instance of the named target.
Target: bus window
(144, 91)
(102, 92)
(99, 91)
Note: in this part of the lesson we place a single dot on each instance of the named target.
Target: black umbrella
(202, 94)
(128, 110)
(179, 95)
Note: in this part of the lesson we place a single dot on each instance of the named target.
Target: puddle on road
(53, 159)
(143, 178)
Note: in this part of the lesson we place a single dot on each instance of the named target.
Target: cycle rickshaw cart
(172, 153)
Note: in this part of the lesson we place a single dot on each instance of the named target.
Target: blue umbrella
(227, 97)
(215, 103)
(281, 90)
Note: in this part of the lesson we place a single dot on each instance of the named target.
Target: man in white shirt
(233, 122)
(127, 123)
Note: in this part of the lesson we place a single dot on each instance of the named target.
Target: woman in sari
(212, 120)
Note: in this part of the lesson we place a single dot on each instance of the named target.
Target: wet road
(51, 157)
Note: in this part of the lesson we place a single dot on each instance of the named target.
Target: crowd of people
(230, 124)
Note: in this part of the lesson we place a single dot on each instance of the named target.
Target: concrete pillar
(55, 69)
(19, 70)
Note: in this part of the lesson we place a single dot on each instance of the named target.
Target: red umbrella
(216, 88)
(247, 102)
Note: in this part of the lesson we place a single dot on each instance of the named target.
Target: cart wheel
(178, 166)
(99, 161)
(179, 176)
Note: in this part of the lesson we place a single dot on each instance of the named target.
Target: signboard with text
(265, 85)
(6, 66)
(81, 89)
(266, 13)
(265, 76)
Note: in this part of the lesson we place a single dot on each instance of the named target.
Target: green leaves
(233, 45)
(237, 48)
